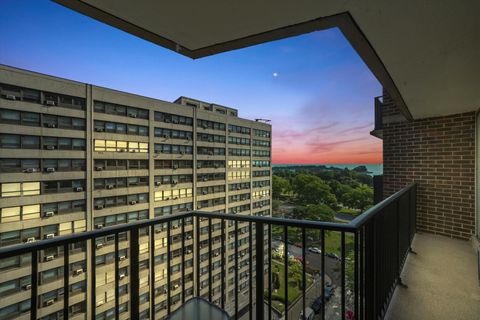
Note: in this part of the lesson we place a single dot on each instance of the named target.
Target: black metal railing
(197, 255)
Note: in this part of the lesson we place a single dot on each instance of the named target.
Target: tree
(279, 185)
(315, 212)
(360, 198)
(311, 189)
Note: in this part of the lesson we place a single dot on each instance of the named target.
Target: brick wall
(439, 154)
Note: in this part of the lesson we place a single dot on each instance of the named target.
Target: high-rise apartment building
(76, 157)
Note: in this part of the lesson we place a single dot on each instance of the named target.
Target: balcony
(372, 251)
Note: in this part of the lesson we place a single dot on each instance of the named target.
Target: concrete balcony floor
(442, 282)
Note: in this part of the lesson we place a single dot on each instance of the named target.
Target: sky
(314, 88)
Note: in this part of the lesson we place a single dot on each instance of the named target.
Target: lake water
(373, 169)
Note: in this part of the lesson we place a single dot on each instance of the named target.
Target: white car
(315, 250)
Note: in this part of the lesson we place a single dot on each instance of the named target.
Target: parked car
(333, 255)
(317, 305)
(328, 291)
(315, 250)
(309, 314)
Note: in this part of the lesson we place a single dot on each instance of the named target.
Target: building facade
(76, 157)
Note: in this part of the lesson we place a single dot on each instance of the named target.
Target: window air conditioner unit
(29, 170)
(48, 214)
(99, 206)
(174, 182)
(27, 287)
(204, 192)
(210, 153)
(199, 206)
(10, 97)
(175, 121)
(175, 286)
(50, 147)
(50, 103)
(123, 150)
(99, 245)
(78, 189)
(199, 166)
(182, 152)
(29, 240)
(189, 251)
(175, 166)
(166, 136)
(110, 186)
(133, 202)
(99, 226)
(51, 125)
(49, 302)
(98, 129)
(168, 120)
(121, 276)
(100, 303)
(205, 179)
(157, 183)
(204, 126)
(50, 236)
(49, 258)
(132, 115)
(98, 168)
(50, 169)
(217, 254)
(121, 258)
(188, 238)
(77, 272)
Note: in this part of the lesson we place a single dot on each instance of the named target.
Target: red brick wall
(439, 154)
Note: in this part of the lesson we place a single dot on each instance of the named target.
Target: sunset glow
(314, 88)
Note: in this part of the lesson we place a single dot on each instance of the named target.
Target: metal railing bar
(66, 276)
(259, 267)
(169, 276)
(285, 238)
(322, 249)
(93, 276)
(133, 276)
(304, 271)
(34, 290)
(269, 269)
(223, 266)
(236, 269)
(152, 270)
(373, 211)
(250, 271)
(342, 272)
(210, 259)
(183, 260)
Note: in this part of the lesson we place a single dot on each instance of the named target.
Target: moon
(275, 74)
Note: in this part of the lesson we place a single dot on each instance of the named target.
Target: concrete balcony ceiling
(425, 53)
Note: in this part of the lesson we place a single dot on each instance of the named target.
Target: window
(120, 110)
(19, 189)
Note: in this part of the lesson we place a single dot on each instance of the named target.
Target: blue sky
(315, 89)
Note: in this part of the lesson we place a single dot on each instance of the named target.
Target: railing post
(134, 278)
(259, 259)
(34, 282)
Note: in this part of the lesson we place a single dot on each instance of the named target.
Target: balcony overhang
(425, 54)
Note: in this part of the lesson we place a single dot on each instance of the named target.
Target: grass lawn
(294, 291)
(333, 242)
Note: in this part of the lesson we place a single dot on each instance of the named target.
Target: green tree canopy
(359, 198)
(279, 185)
(311, 189)
(315, 212)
